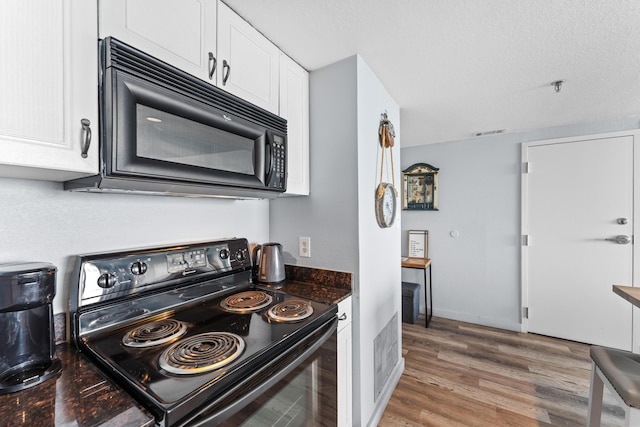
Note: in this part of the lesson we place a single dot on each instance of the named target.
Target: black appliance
(163, 131)
(27, 343)
(185, 332)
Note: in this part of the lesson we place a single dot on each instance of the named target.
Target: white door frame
(524, 285)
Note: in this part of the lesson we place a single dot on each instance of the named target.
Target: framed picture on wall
(418, 244)
(420, 187)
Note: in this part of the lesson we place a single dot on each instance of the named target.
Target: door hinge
(525, 312)
(526, 167)
(525, 240)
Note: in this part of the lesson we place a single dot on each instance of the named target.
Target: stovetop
(261, 335)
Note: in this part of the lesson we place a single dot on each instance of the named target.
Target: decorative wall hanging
(420, 187)
(386, 194)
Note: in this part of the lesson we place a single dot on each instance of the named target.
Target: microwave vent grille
(124, 57)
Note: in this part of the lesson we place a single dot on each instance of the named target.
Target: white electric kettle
(268, 263)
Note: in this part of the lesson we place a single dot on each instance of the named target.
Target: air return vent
(385, 354)
(490, 132)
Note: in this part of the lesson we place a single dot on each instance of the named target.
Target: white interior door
(578, 196)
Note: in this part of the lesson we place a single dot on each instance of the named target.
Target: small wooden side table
(423, 264)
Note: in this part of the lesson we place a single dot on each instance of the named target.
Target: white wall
(346, 103)
(379, 288)
(329, 215)
(39, 221)
(476, 276)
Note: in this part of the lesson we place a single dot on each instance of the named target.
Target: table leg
(426, 299)
(429, 314)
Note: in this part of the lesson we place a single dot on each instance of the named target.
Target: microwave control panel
(277, 177)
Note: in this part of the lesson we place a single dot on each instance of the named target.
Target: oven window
(290, 404)
(306, 397)
(167, 137)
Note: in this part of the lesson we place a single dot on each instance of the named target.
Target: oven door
(299, 388)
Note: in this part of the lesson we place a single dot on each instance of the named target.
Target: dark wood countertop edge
(629, 293)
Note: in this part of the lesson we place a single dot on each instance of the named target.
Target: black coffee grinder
(27, 344)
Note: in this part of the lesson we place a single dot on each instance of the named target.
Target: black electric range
(185, 330)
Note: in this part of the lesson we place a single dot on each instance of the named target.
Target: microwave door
(174, 137)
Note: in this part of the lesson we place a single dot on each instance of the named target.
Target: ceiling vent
(490, 132)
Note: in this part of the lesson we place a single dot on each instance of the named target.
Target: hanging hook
(557, 85)
(386, 123)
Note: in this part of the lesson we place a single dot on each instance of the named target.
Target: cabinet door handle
(86, 129)
(343, 316)
(226, 70)
(213, 62)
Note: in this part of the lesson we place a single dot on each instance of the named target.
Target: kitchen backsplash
(329, 278)
(60, 327)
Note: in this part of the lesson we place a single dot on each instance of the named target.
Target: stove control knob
(241, 255)
(107, 280)
(224, 253)
(138, 268)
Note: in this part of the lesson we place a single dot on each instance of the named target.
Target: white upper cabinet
(248, 62)
(294, 106)
(48, 87)
(205, 38)
(181, 33)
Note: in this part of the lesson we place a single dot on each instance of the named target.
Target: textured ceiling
(457, 67)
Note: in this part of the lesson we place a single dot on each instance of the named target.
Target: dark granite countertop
(81, 396)
(315, 291)
(317, 284)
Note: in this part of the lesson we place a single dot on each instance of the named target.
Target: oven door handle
(247, 397)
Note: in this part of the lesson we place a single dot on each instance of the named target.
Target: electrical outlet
(305, 247)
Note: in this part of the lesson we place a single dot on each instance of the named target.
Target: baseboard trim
(479, 320)
(385, 394)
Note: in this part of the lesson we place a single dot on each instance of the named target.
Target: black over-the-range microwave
(164, 131)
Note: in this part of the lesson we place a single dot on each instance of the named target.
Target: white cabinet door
(294, 106)
(345, 409)
(250, 62)
(205, 38)
(49, 85)
(181, 33)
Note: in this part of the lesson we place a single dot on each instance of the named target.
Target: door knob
(621, 239)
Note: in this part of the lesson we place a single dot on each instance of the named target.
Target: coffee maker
(27, 343)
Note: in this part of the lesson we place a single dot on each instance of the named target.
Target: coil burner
(292, 310)
(246, 302)
(201, 353)
(155, 333)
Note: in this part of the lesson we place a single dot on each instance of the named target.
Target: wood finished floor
(460, 374)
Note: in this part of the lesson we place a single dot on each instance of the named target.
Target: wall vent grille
(490, 132)
(385, 354)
